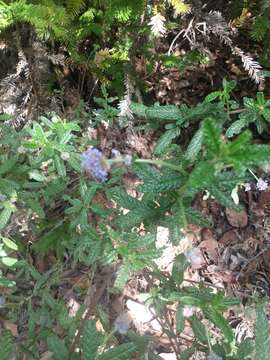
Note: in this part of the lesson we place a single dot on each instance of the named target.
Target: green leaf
(180, 320)
(8, 261)
(165, 140)
(121, 352)
(202, 176)
(195, 145)
(9, 243)
(60, 166)
(179, 266)
(212, 96)
(4, 217)
(161, 184)
(236, 127)
(58, 347)
(163, 113)
(266, 114)
(37, 176)
(187, 354)
(220, 322)
(91, 340)
(6, 345)
(7, 283)
(211, 135)
(8, 165)
(198, 329)
(262, 336)
(122, 276)
(245, 349)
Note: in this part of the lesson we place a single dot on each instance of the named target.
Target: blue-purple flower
(94, 163)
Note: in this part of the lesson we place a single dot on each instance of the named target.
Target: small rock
(237, 219)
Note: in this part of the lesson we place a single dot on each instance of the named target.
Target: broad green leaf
(58, 347)
(266, 114)
(165, 140)
(198, 329)
(6, 283)
(37, 176)
(8, 261)
(60, 166)
(236, 127)
(179, 266)
(212, 96)
(161, 184)
(9, 243)
(217, 318)
(180, 320)
(163, 113)
(91, 340)
(211, 135)
(194, 145)
(122, 276)
(121, 352)
(4, 217)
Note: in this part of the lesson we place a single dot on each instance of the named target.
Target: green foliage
(6, 345)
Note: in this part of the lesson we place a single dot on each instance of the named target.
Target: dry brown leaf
(228, 238)
(211, 247)
(11, 327)
(237, 219)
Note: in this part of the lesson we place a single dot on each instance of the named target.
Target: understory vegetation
(133, 136)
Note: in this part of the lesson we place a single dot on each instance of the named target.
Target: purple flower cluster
(94, 163)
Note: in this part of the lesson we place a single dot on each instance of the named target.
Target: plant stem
(162, 163)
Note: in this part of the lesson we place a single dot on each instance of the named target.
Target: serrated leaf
(236, 127)
(220, 322)
(195, 145)
(164, 113)
(58, 347)
(212, 96)
(60, 166)
(165, 140)
(8, 165)
(138, 109)
(6, 345)
(160, 184)
(262, 336)
(198, 329)
(91, 340)
(179, 266)
(245, 349)
(122, 276)
(266, 114)
(4, 217)
(211, 135)
(121, 352)
(180, 320)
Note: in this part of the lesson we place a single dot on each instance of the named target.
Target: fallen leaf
(237, 219)
(210, 246)
(228, 238)
(11, 327)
